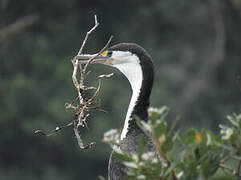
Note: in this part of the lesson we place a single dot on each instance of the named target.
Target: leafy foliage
(189, 155)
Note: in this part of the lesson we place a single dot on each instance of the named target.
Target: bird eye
(107, 54)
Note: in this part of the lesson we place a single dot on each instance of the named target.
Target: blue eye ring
(109, 53)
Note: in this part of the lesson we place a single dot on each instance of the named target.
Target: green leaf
(164, 114)
(211, 139)
(142, 146)
(233, 120)
(138, 121)
(160, 129)
(236, 142)
(157, 113)
(101, 178)
(170, 169)
(130, 165)
(190, 136)
(210, 165)
(121, 157)
(145, 126)
(168, 144)
(174, 124)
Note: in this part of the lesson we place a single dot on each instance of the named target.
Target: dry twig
(81, 104)
(239, 168)
(233, 171)
(18, 26)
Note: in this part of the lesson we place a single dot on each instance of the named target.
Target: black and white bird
(136, 64)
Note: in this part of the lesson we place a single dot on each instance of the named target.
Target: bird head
(136, 64)
(131, 59)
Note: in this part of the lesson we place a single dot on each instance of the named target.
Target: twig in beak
(82, 105)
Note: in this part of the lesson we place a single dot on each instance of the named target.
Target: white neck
(133, 73)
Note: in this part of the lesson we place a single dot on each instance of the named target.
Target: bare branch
(74, 78)
(239, 168)
(81, 104)
(234, 172)
(3, 4)
(56, 130)
(80, 141)
(103, 49)
(17, 26)
(106, 75)
(87, 35)
(84, 105)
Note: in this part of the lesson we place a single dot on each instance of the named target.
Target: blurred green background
(195, 46)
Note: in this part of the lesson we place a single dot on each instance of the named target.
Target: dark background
(195, 46)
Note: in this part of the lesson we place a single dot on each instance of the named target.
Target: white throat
(133, 72)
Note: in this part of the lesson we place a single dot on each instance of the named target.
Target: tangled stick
(81, 104)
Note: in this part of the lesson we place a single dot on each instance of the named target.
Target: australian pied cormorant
(136, 64)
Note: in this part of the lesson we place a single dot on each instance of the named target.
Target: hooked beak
(95, 59)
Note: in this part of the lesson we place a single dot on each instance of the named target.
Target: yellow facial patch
(104, 54)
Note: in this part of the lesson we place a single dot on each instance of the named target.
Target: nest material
(81, 104)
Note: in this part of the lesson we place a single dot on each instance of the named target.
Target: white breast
(131, 68)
